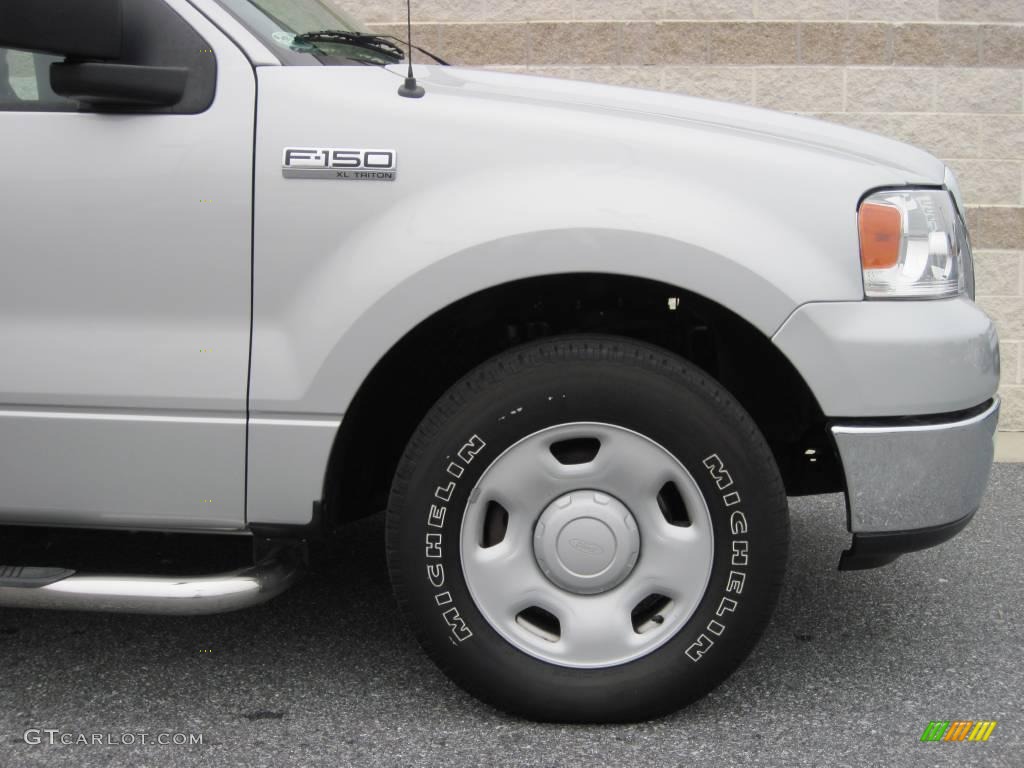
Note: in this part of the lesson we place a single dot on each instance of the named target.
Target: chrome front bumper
(912, 485)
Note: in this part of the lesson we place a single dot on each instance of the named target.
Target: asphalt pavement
(850, 672)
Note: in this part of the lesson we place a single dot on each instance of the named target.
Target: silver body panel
(505, 177)
(287, 459)
(893, 358)
(902, 478)
(123, 294)
(126, 264)
(119, 469)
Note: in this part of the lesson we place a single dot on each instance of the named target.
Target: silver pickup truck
(580, 341)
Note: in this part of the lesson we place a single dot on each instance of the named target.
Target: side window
(153, 35)
(25, 83)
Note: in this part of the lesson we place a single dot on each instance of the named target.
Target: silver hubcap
(587, 545)
(586, 542)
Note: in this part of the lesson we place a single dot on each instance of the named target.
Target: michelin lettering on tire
(739, 560)
(459, 631)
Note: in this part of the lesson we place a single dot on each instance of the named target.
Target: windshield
(278, 22)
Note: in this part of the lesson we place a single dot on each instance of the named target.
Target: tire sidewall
(677, 407)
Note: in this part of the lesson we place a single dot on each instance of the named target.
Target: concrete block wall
(947, 75)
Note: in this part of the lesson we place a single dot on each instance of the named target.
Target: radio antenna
(409, 88)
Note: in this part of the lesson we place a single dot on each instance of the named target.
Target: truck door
(125, 273)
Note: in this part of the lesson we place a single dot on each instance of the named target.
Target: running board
(64, 590)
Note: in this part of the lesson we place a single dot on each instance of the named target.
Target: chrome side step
(64, 590)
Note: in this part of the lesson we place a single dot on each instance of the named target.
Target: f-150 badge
(342, 164)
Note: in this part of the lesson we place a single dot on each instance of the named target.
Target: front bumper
(913, 485)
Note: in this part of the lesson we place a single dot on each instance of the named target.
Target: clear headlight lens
(913, 244)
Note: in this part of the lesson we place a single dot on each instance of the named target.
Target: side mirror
(119, 85)
(80, 29)
(85, 31)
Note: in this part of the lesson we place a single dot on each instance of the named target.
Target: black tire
(615, 381)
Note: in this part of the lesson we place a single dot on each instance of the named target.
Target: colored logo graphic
(958, 730)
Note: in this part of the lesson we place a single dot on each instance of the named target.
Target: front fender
(290, 435)
(489, 192)
(326, 313)
(328, 370)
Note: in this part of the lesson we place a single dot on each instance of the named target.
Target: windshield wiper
(378, 43)
(424, 51)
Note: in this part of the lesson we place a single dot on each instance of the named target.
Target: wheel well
(418, 369)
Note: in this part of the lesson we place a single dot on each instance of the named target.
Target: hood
(913, 165)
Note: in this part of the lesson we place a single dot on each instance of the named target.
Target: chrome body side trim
(147, 417)
(332, 422)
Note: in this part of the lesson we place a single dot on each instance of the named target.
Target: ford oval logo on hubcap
(586, 547)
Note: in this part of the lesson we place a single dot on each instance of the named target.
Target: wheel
(587, 529)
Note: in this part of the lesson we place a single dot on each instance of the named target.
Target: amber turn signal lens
(879, 236)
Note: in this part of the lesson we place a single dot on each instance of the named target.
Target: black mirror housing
(119, 85)
(79, 29)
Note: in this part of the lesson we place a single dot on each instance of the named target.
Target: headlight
(913, 244)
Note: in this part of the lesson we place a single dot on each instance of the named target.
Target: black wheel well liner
(421, 366)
